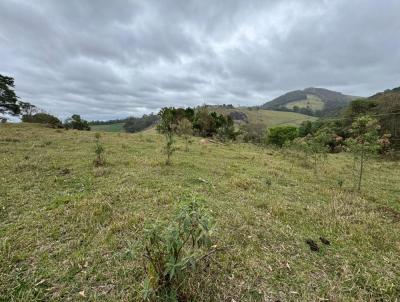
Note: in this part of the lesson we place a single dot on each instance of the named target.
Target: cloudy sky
(108, 59)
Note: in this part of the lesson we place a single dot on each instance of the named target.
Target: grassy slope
(118, 127)
(313, 102)
(65, 233)
(266, 117)
(269, 118)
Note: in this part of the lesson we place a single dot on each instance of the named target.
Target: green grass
(313, 102)
(68, 229)
(269, 118)
(118, 127)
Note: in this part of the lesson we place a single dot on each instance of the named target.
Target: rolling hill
(269, 118)
(313, 101)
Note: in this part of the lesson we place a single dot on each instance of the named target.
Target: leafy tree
(76, 122)
(185, 130)
(208, 124)
(364, 141)
(204, 124)
(8, 99)
(305, 128)
(281, 135)
(167, 126)
(226, 129)
(28, 109)
(43, 118)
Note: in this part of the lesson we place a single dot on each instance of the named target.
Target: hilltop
(312, 101)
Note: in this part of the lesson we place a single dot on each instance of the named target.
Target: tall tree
(8, 99)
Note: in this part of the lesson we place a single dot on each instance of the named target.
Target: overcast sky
(108, 59)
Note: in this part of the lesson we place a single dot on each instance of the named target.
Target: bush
(282, 135)
(77, 123)
(172, 252)
(43, 118)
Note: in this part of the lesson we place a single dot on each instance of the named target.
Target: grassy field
(313, 102)
(118, 127)
(269, 118)
(72, 232)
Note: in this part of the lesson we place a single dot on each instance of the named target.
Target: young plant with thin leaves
(173, 252)
(99, 151)
(363, 143)
(167, 126)
(185, 130)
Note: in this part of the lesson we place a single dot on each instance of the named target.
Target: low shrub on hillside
(282, 135)
(99, 151)
(173, 252)
(77, 123)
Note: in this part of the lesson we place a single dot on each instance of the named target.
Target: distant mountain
(311, 101)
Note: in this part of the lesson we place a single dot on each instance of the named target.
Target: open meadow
(70, 231)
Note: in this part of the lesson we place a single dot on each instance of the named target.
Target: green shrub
(174, 251)
(282, 135)
(77, 123)
(43, 118)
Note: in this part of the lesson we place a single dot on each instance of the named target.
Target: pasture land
(73, 232)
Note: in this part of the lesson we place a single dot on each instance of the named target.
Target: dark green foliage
(136, 124)
(208, 124)
(305, 128)
(226, 129)
(109, 122)
(281, 135)
(77, 123)
(167, 126)
(359, 107)
(43, 118)
(172, 252)
(8, 100)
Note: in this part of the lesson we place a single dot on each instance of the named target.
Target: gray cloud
(107, 59)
